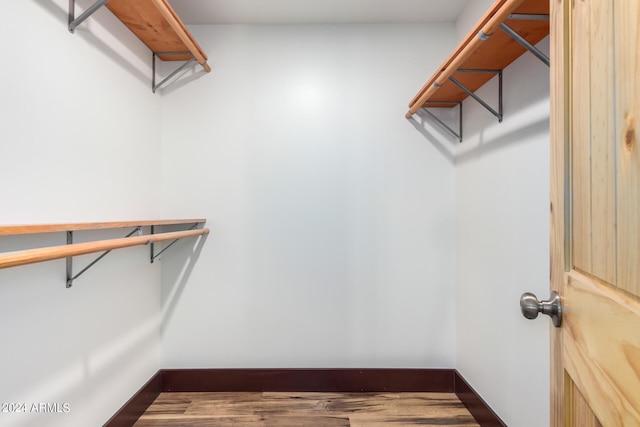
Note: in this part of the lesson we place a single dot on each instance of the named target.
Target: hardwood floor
(304, 409)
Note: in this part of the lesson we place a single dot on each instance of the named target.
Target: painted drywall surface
(470, 16)
(502, 211)
(332, 216)
(79, 141)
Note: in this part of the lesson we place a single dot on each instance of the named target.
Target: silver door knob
(530, 307)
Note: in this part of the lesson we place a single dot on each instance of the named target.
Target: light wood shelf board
(156, 24)
(18, 229)
(496, 53)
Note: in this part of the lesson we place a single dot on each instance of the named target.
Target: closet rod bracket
(74, 22)
(155, 86)
(524, 43)
(498, 113)
(458, 134)
(154, 255)
(70, 276)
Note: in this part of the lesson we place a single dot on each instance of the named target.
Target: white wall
(502, 223)
(79, 141)
(470, 15)
(332, 216)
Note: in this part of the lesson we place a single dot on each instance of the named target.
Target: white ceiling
(316, 11)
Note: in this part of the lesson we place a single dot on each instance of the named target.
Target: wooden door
(595, 212)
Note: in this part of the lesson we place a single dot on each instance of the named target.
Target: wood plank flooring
(304, 409)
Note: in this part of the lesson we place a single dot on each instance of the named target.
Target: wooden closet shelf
(9, 230)
(68, 251)
(159, 27)
(494, 53)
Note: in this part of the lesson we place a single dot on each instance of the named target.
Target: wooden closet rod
(487, 31)
(30, 256)
(474, 31)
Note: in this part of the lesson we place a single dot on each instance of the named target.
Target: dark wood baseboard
(483, 414)
(318, 380)
(135, 407)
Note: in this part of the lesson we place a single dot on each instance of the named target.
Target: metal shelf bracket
(74, 22)
(155, 86)
(458, 134)
(70, 276)
(439, 104)
(521, 40)
(498, 113)
(153, 255)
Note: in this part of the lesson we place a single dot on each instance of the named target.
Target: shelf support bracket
(70, 276)
(498, 113)
(152, 245)
(155, 86)
(528, 17)
(425, 108)
(524, 43)
(74, 22)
